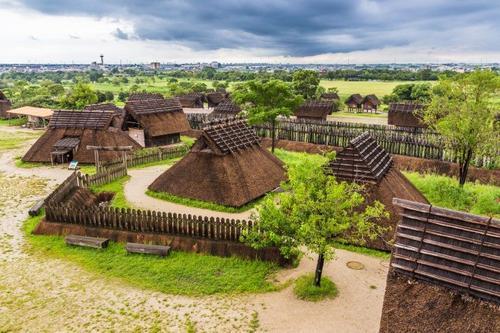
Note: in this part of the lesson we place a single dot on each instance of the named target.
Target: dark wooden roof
(143, 96)
(372, 99)
(315, 109)
(363, 160)
(150, 106)
(67, 143)
(215, 98)
(405, 107)
(227, 107)
(81, 119)
(191, 100)
(328, 96)
(230, 135)
(104, 107)
(354, 98)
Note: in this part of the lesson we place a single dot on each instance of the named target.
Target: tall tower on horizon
(102, 60)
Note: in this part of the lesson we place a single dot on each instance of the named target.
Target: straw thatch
(226, 108)
(191, 100)
(161, 120)
(110, 107)
(315, 109)
(142, 96)
(405, 114)
(365, 162)
(354, 102)
(69, 134)
(215, 98)
(371, 103)
(227, 166)
(5, 105)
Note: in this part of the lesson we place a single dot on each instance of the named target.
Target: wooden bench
(160, 250)
(94, 242)
(35, 210)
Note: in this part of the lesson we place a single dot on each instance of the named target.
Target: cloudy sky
(301, 31)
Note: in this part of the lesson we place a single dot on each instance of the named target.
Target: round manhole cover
(355, 265)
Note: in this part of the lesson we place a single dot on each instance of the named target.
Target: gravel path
(41, 294)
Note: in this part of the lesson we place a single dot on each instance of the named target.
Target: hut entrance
(64, 149)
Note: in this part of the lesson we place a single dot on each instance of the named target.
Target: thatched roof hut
(226, 165)
(371, 103)
(110, 107)
(354, 102)
(215, 98)
(315, 109)
(5, 105)
(226, 108)
(330, 96)
(192, 100)
(144, 95)
(405, 114)
(365, 162)
(155, 121)
(70, 132)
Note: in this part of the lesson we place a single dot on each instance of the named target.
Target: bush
(305, 289)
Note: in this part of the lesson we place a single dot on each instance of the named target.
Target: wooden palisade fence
(415, 142)
(452, 249)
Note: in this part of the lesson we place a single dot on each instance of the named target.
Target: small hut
(5, 105)
(405, 114)
(110, 107)
(370, 103)
(330, 96)
(226, 108)
(70, 132)
(354, 103)
(315, 110)
(155, 121)
(364, 161)
(227, 166)
(215, 98)
(193, 100)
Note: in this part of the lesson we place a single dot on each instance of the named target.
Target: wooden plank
(36, 208)
(85, 241)
(160, 250)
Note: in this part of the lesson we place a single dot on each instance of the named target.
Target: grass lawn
(14, 140)
(305, 289)
(118, 187)
(180, 273)
(13, 122)
(445, 192)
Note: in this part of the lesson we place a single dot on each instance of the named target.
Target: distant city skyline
(272, 31)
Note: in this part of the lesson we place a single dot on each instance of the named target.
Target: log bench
(94, 242)
(160, 250)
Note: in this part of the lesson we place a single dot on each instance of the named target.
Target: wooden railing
(448, 248)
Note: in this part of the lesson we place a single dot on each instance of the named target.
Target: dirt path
(358, 119)
(41, 294)
(140, 179)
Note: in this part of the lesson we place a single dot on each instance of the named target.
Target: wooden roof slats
(81, 119)
(67, 142)
(405, 107)
(231, 135)
(315, 109)
(104, 107)
(226, 107)
(452, 249)
(145, 96)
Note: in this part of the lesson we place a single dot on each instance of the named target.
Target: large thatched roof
(405, 114)
(76, 130)
(191, 100)
(315, 109)
(118, 113)
(227, 166)
(214, 98)
(157, 116)
(365, 162)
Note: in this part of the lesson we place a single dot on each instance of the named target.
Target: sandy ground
(41, 294)
(359, 119)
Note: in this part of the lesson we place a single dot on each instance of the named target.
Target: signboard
(73, 165)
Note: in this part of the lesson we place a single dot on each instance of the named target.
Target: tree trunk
(464, 167)
(273, 131)
(319, 270)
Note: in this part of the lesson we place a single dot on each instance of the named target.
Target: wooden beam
(110, 148)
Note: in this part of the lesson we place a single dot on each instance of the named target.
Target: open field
(379, 88)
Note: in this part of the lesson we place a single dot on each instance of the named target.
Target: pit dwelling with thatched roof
(227, 165)
(363, 161)
(153, 120)
(70, 132)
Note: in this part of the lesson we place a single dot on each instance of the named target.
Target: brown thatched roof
(227, 166)
(372, 100)
(330, 96)
(81, 119)
(354, 99)
(214, 98)
(191, 100)
(158, 117)
(226, 108)
(405, 114)
(143, 96)
(104, 107)
(316, 109)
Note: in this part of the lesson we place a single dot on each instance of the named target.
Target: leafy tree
(94, 75)
(122, 96)
(101, 97)
(421, 92)
(462, 111)
(265, 101)
(219, 85)
(109, 96)
(306, 82)
(79, 96)
(315, 212)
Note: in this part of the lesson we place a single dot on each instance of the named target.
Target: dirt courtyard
(41, 294)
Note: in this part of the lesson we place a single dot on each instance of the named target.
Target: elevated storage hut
(5, 105)
(192, 100)
(226, 108)
(110, 107)
(370, 103)
(315, 110)
(154, 122)
(405, 114)
(227, 166)
(440, 256)
(354, 103)
(70, 132)
(215, 98)
(364, 161)
(37, 117)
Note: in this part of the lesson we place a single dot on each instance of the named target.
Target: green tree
(264, 101)
(315, 212)
(79, 96)
(462, 111)
(306, 82)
